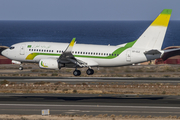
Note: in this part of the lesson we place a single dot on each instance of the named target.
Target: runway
(76, 80)
(28, 104)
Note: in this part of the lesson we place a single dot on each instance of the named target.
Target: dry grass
(91, 88)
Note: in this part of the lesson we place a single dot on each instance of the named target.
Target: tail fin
(154, 35)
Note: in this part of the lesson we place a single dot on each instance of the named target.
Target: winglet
(67, 53)
(69, 48)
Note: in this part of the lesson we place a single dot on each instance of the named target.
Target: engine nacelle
(49, 64)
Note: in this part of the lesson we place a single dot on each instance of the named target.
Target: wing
(68, 58)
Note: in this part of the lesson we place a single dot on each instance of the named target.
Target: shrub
(129, 75)
(41, 83)
(54, 74)
(44, 74)
(74, 91)
(166, 75)
(64, 90)
(4, 82)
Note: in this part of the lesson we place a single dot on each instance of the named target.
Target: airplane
(53, 55)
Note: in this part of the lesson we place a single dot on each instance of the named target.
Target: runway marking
(102, 106)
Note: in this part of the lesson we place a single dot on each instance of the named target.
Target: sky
(88, 10)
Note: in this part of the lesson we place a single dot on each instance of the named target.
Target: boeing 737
(51, 55)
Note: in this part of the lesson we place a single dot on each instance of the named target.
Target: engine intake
(49, 64)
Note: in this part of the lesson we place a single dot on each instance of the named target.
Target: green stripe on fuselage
(113, 55)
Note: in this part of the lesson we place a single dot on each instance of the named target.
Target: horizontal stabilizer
(152, 52)
(170, 53)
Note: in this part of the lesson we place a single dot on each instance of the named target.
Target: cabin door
(22, 50)
(128, 56)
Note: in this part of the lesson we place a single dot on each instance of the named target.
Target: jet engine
(49, 64)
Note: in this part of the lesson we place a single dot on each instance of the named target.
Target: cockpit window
(11, 48)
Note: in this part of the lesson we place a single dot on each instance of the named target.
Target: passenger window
(117, 54)
(44, 50)
(29, 49)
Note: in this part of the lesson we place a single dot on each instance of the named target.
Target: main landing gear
(90, 71)
(78, 72)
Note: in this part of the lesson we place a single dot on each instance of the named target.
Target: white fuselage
(93, 55)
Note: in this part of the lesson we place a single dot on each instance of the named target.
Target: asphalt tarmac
(76, 80)
(28, 104)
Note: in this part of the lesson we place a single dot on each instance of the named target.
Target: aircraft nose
(4, 52)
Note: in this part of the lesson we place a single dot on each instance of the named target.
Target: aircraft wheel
(20, 68)
(90, 71)
(77, 73)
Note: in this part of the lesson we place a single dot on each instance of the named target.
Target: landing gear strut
(77, 73)
(90, 71)
(21, 67)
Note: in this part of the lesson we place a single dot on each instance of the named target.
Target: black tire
(90, 71)
(77, 73)
(20, 68)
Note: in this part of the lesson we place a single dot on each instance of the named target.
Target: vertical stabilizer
(154, 35)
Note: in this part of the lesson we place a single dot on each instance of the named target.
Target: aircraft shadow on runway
(66, 99)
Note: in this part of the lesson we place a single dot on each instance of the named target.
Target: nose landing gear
(21, 67)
